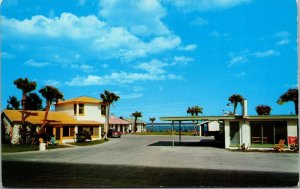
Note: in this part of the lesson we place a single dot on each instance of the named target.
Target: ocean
(159, 127)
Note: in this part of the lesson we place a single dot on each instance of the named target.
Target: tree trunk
(296, 106)
(106, 125)
(41, 130)
(234, 108)
(23, 108)
(152, 126)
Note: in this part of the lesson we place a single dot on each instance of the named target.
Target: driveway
(157, 151)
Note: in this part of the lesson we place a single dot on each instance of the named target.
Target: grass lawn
(94, 142)
(11, 148)
(164, 133)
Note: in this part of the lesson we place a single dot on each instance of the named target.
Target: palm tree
(290, 95)
(152, 119)
(51, 94)
(108, 99)
(13, 103)
(33, 102)
(235, 99)
(26, 86)
(136, 115)
(191, 111)
(198, 110)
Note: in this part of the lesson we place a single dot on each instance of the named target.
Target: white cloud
(217, 34)
(199, 21)
(54, 83)
(266, 53)
(240, 74)
(240, 59)
(34, 63)
(153, 67)
(141, 17)
(282, 42)
(205, 5)
(90, 34)
(282, 34)
(183, 60)
(190, 47)
(83, 67)
(131, 96)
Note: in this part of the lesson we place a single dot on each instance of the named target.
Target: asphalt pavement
(150, 161)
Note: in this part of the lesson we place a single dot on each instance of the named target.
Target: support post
(179, 132)
(173, 133)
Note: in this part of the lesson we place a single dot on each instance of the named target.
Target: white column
(227, 133)
(100, 137)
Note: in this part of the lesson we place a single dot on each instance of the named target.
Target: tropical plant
(136, 115)
(82, 136)
(235, 99)
(194, 110)
(152, 119)
(51, 94)
(13, 103)
(263, 110)
(290, 96)
(33, 102)
(26, 86)
(108, 99)
(191, 111)
(198, 110)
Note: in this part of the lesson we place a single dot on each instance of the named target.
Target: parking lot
(156, 154)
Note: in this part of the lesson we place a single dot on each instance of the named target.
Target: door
(57, 133)
(234, 133)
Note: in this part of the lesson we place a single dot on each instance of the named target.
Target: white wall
(245, 133)
(227, 133)
(91, 111)
(292, 128)
(213, 126)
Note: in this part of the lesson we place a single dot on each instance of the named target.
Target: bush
(26, 133)
(263, 110)
(82, 136)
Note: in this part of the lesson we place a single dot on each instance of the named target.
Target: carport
(179, 121)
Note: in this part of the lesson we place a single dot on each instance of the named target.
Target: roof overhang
(216, 118)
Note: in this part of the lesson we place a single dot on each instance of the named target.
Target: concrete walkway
(155, 151)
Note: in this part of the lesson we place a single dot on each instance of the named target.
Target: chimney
(245, 108)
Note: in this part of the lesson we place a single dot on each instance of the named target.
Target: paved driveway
(156, 151)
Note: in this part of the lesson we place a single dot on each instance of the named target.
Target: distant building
(141, 125)
(119, 124)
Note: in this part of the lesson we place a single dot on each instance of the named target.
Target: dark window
(103, 110)
(268, 132)
(75, 109)
(234, 132)
(81, 109)
(66, 131)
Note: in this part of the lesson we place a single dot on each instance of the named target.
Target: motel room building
(70, 117)
(251, 131)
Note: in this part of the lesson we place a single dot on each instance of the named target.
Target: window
(103, 110)
(75, 109)
(68, 131)
(268, 132)
(81, 109)
(234, 133)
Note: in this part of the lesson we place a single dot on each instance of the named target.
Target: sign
(293, 140)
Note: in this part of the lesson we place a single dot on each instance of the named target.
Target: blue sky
(159, 56)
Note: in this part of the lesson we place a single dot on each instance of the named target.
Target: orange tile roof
(54, 118)
(82, 99)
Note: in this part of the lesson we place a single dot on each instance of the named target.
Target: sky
(159, 56)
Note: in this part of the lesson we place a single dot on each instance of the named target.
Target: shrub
(263, 110)
(82, 136)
